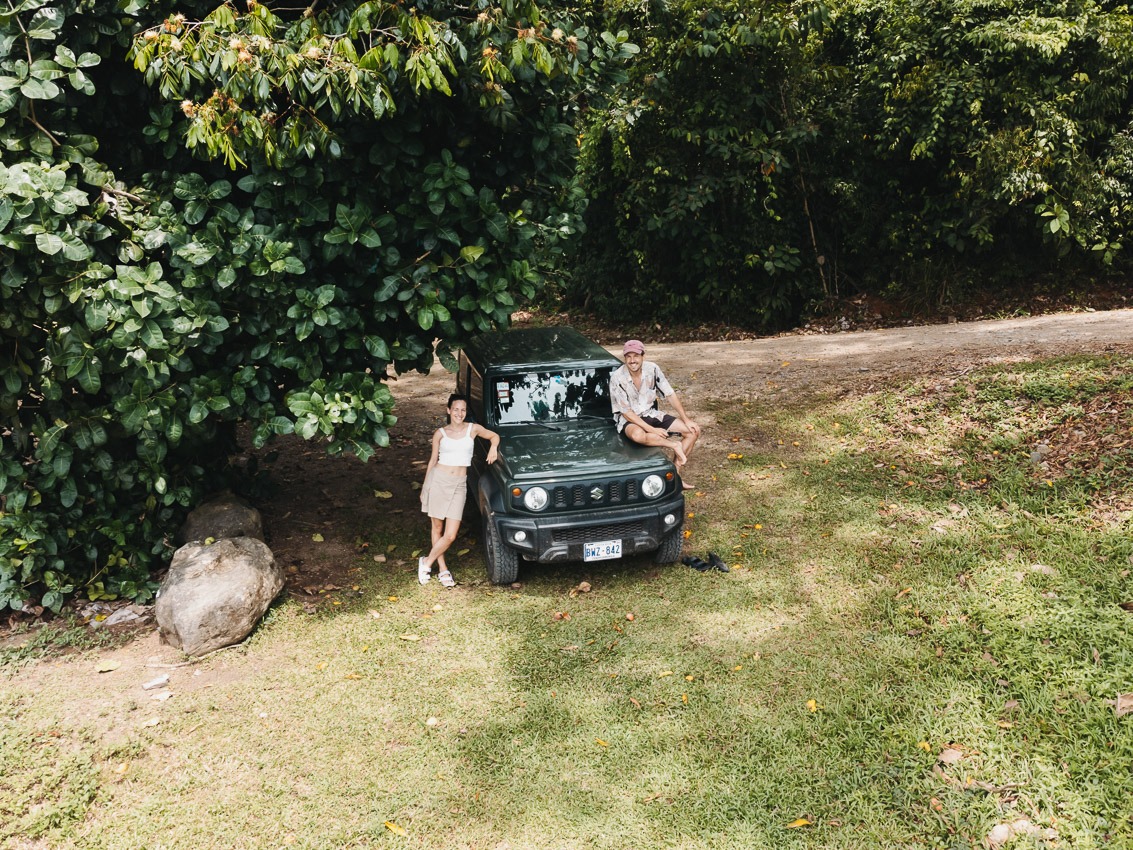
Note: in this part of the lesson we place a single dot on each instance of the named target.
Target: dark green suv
(567, 486)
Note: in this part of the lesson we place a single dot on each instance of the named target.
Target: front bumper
(560, 537)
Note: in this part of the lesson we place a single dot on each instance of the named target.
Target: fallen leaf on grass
(410, 637)
(664, 674)
(812, 706)
(949, 756)
(636, 704)
(352, 676)
(735, 456)
(395, 829)
(392, 598)
(462, 553)
(601, 743)
(924, 745)
(383, 494)
(108, 666)
(936, 805)
(903, 592)
(317, 538)
(795, 824)
(1123, 704)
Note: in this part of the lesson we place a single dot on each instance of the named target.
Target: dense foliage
(766, 155)
(398, 175)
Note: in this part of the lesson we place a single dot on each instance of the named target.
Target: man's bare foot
(681, 457)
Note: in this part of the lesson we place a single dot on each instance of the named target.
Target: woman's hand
(493, 455)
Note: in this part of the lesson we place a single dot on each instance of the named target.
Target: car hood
(579, 449)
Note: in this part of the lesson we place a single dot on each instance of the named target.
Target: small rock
(122, 615)
(999, 835)
(160, 682)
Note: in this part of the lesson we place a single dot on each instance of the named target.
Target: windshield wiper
(546, 425)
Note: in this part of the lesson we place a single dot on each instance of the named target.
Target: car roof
(532, 348)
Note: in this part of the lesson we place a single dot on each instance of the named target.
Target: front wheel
(670, 549)
(502, 561)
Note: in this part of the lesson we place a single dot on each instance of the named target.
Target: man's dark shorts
(654, 418)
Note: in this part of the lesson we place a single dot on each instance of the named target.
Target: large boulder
(226, 515)
(215, 593)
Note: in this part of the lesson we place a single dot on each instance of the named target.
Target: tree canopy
(764, 156)
(216, 215)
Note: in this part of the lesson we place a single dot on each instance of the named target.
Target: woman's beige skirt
(443, 495)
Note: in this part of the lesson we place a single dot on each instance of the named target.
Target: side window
(474, 389)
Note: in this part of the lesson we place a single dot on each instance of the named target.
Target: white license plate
(602, 551)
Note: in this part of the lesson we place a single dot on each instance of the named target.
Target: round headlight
(535, 499)
(652, 486)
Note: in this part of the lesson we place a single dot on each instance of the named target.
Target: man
(634, 388)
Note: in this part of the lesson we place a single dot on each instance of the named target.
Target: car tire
(502, 561)
(669, 552)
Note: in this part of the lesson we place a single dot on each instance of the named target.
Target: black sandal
(718, 562)
(695, 563)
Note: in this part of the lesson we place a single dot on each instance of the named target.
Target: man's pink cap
(633, 346)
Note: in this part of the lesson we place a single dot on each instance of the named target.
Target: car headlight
(652, 486)
(535, 499)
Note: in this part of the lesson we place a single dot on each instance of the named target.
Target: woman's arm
(435, 452)
(493, 438)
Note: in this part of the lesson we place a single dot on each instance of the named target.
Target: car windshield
(552, 396)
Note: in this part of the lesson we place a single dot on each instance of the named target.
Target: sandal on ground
(695, 563)
(446, 579)
(423, 571)
(718, 562)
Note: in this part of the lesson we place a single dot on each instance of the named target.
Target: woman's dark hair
(453, 399)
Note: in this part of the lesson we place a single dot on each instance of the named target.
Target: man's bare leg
(648, 438)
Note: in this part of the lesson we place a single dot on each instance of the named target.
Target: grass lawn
(921, 644)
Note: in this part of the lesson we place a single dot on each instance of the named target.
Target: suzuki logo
(596, 493)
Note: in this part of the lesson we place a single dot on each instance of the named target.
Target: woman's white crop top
(456, 452)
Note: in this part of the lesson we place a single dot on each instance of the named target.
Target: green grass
(907, 579)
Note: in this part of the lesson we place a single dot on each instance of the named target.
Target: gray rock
(215, 594)
(122, 615)
(227, 515)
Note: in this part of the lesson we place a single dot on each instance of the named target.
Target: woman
(446, 484)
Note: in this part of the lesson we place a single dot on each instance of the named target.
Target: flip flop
(718, 562)
(695, 563)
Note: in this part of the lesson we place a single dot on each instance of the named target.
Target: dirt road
(794, 363)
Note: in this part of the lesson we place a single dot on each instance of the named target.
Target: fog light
(670, 519)
(519, 536)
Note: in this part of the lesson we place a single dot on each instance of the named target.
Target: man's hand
(692, 427)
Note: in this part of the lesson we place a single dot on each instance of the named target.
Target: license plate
(602, 551)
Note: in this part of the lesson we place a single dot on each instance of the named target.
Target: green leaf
(471, 253)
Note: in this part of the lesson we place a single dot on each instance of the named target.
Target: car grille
(593, 533)
(599, 493)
